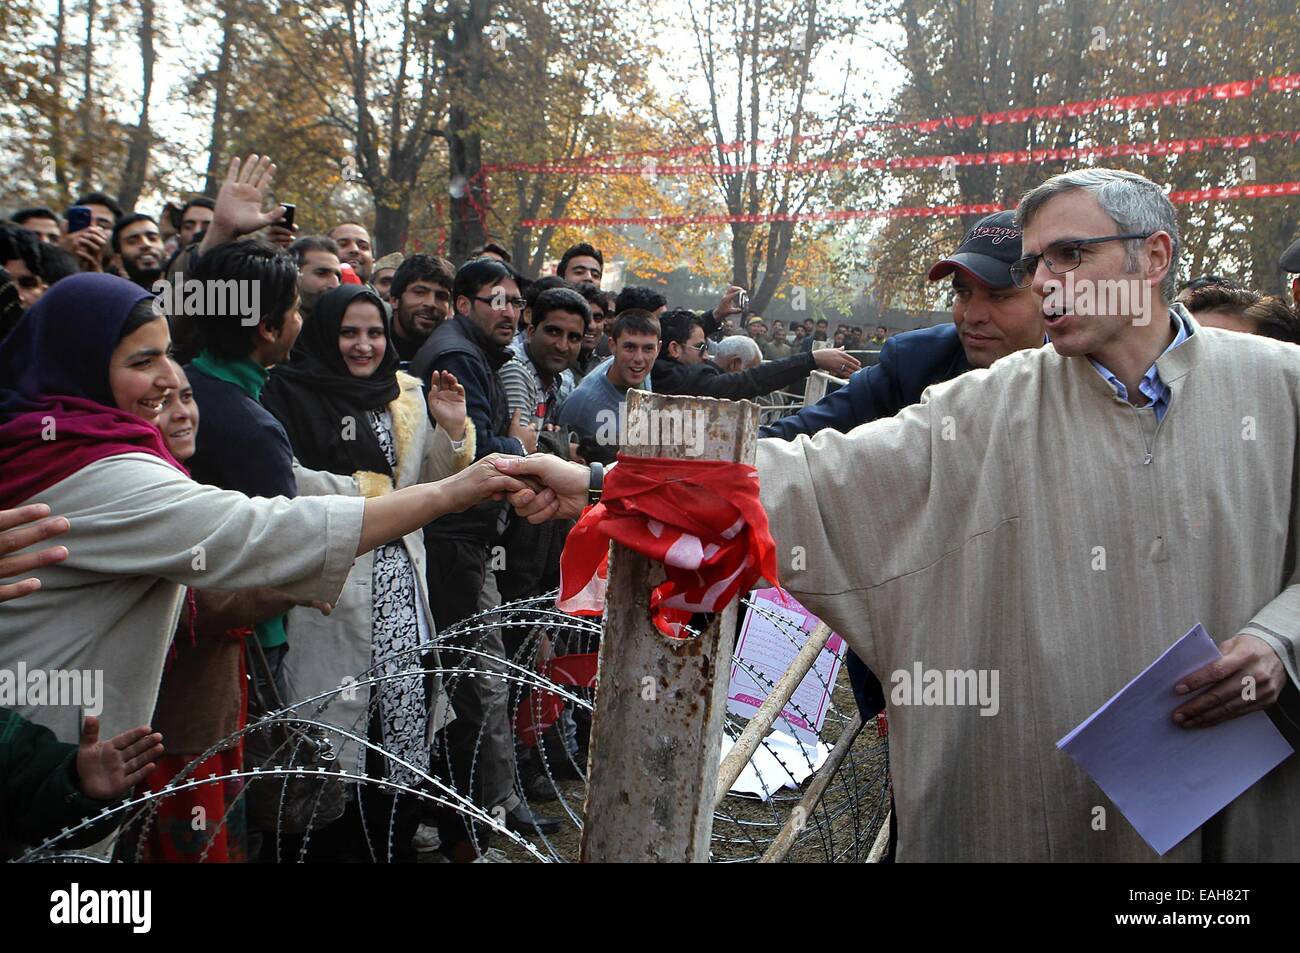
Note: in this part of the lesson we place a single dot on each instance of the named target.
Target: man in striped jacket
(532, 379)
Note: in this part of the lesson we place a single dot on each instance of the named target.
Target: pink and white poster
(766, 649)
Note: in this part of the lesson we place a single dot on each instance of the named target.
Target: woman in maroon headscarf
(83, 379)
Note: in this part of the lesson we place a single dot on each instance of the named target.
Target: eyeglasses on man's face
(1061, 257)
(501, 303)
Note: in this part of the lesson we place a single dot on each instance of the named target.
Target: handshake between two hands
(540, 487)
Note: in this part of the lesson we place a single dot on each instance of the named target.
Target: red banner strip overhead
(1219, 194)
(1160, 99)
(1017, 157)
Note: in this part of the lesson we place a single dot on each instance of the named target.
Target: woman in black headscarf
(359, 426)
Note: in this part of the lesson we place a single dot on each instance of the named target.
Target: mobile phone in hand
(79, 217)
(287, 221)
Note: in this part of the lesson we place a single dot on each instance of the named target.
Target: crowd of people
(262, 496)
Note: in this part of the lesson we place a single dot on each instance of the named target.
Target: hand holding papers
(1167, 780)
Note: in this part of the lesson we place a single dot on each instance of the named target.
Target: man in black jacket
(682, 369)
(473, 345)
(991, 319)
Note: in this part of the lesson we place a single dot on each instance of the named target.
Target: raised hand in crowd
(239, 203)
(109, 769)
(447, 404)
(729, 303)
(836, 360)
(525, 433)
(15, 534)
(87, 245)
(279, 235)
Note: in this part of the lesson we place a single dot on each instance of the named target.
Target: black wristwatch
(596, 484)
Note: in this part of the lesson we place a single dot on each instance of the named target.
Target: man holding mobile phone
(282, 232)
(89, 222)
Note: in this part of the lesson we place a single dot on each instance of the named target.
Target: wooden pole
(819, 385)
(798, 819)
(656, 732)
(761, 723)
(882, 840)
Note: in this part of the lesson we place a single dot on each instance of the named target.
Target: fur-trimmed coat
(327, 650)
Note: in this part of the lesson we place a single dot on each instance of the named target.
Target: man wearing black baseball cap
(991, 318)
(1290, 263)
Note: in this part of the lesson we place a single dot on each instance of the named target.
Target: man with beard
(473, 345)
(319, 271)
(138, 249)
(421, 299)
(532, 380)
(776, 347)
(355, 248)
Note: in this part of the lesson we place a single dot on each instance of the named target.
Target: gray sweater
(141, 532)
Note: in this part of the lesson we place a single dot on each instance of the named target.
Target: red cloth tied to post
(701, 518)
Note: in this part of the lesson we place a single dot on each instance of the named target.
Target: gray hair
(737, 345)
(1134, 202)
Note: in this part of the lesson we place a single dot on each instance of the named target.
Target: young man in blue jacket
(991, 318)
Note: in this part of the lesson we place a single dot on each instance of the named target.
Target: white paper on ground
(790, 771)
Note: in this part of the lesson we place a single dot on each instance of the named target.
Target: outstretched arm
(404, 511)
(197, 535)
(776, 375)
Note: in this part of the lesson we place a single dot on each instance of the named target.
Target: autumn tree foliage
(968, 57)
(441, 123)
